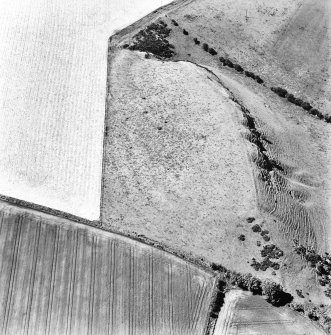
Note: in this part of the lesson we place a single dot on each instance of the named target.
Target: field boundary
(97, 224)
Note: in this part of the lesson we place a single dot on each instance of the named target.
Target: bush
(125, 46)
(174, 23)
(259, 80)
(196, 41)
(290, 97)
(275, 294)
(153, 39)
(266, 238)
(238, 68)
(327, 118)
(250, 219)
(185, 32)
(316, 112)
(228, 63)
(212, 51)
(256, 228)
(279, 91)
(307, 106)
(250, 75)
(222, 60)
(241, 237)
(218, 300)
(218, 267)
(205, 47)
(298, 102)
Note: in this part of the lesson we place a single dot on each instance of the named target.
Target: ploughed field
(53, 64)
(244, 314)
(59, 277)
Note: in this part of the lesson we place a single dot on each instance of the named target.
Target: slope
(176, 167)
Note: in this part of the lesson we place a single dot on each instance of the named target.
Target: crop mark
(72, 282)
(52, 286)
(18, 226)
(32, 278)
(92, 284)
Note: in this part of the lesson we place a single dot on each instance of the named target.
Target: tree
(275, 294)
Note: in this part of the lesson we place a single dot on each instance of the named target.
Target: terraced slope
(244, 314)
(58, 277)
(53, 64)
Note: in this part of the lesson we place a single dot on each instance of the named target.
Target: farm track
(59, 277)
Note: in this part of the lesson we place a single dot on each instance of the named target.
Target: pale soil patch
(60, 277)
(176, 164)
(243, 313)
(53, 64)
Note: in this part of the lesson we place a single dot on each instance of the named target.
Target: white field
(53, 62)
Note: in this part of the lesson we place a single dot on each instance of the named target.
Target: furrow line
(132, 288)
(72, 283)
(170, 298)
(32, 278)
(188, 295)
(112, 279)
(12, 274)
(52, 285)
(150, 288)
(92, 284)
(2, 214)
(198, 305)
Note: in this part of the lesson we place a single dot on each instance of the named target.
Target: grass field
(58, 277)
(53, 61)
(175, 159)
